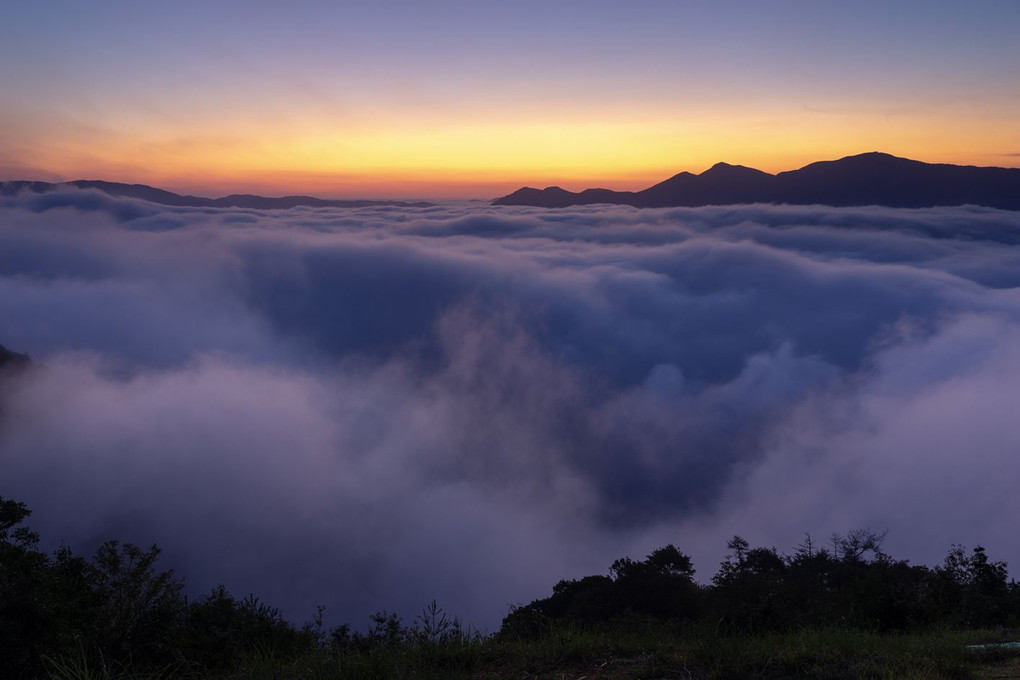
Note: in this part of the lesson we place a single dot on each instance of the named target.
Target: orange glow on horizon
(397, 158)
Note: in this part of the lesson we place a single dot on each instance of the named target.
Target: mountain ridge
(163, 197)
(872, 178)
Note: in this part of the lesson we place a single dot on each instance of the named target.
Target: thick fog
(371, 408)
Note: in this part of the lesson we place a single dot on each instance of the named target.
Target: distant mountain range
(866, 179)
(162, 197)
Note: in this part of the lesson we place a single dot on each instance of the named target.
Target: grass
(642, 651)
(830, 654)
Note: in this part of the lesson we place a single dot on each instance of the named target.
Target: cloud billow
(369, 408)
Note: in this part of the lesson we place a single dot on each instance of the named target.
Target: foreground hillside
(849, 611)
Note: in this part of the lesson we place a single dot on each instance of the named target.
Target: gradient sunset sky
(473, 99)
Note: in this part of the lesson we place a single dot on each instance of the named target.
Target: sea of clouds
(371, 408)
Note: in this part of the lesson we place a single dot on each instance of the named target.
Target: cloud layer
(370, 408)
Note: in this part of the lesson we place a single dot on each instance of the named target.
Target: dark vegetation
(845, 610)
(850, 584)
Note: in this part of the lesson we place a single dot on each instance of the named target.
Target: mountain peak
(730, 170)
(719, 169)
(550, 197)
(876, 157)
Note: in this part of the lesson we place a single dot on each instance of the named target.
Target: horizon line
(373, 193)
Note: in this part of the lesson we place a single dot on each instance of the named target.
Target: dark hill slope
(12, 360)
(162, 197)
(866, 179)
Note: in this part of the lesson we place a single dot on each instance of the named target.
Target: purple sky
(467, 99)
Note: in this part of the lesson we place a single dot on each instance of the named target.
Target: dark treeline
(61, 613)
(116, 610)
(852, 584)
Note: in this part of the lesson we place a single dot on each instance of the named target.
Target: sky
(457, 99)
(371, 408)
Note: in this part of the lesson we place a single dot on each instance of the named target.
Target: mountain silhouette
(163, 197)
(866, 179)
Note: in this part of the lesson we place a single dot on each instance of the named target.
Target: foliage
(73, 617)
(661, 586)
(758, 590)
(847, 611)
